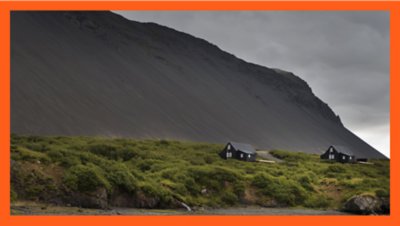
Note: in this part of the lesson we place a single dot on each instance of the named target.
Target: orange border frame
(7, 6)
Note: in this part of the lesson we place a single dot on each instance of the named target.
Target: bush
(317, 201)
(283, 190)
(118, 174)
(30, 184)
(25, 154)
(208, 159)
(56, 155)
(155, 191)
(192, 186)
(164, 142)
(336, 169)
(214, 178)
(239, 188)
(85, 178)
(306, 182)
(107, 150)
(197, 160)
(146, 165)
(64, 157)
(69, 161)
(229, 198)
(128, 153)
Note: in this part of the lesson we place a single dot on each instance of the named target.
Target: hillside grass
(46, 167)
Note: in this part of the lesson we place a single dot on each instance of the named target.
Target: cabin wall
(343, 158)
(245, 156)
(232, 150)
(338, 157)
(327, 153)
(252, 158)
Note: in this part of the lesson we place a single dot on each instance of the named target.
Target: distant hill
(97, 73)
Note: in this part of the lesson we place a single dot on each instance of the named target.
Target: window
(229, 147)
(350, 157)
(241, 155)
(249, 156)
(229, 154)
(343, 157)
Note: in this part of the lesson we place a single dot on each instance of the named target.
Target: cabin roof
(246, 148)
(343, 149)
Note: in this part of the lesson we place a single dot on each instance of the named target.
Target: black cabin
(244, 152)
(339, 154)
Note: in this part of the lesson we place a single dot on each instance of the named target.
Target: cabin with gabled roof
(339, 154)
(240, 151)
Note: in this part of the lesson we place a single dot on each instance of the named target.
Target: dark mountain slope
(96, 73)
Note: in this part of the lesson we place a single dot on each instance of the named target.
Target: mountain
(97, 73)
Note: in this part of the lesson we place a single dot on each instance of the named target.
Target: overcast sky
(342, 55)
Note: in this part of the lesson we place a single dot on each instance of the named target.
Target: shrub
(69, 161)
(31, 184)
(317, 201)
(25, 154)
(305, 181)
(128, 153)
(239, 188)
(191, 186)
(107, 150)
(214, 177)
(148, 164)
(164, 142)
(262, 180)
(56, 155)
(158, 193)
(85, 178)
(118, 174)
(197, 160)
(283, 190)
(336, 169)
(229, 198)
(208, 159)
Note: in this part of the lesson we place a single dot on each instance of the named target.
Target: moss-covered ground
(45, 168)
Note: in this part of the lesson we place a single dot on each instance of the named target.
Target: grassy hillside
(102, 172)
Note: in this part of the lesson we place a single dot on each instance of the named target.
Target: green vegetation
(162, 173)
